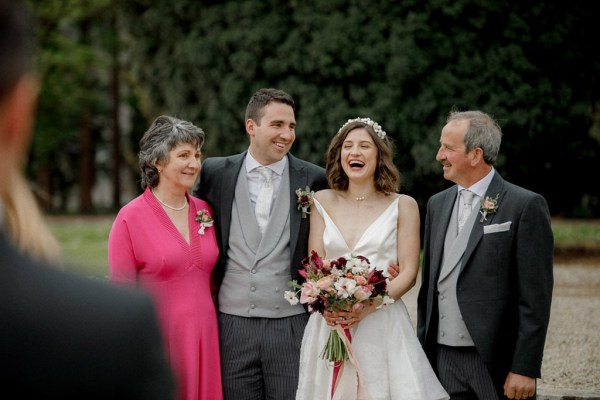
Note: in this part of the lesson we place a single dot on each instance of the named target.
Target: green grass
(584, 234)
(84, 240)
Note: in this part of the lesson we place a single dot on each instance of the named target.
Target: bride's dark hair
(387, 176)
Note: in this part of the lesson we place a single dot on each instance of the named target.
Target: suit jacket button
(252, 306)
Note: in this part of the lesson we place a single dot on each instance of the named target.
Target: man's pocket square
(494, 228)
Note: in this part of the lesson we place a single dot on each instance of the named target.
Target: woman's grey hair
(164, 134)
(483, 132)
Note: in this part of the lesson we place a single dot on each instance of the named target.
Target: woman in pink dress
(163, 241)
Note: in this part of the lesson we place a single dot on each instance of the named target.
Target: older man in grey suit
(263, 239)
(484, 303)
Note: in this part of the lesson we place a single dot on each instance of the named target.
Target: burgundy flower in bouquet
(338, 285)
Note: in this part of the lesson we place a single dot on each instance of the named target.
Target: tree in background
(404, 64)
(74, 106)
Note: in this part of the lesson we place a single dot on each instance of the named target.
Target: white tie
(264, 199)
(467, 197)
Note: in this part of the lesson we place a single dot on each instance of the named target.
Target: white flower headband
(376, 127)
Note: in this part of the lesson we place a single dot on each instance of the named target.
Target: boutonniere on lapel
(488, 206)
(305, 200)
(205, 220)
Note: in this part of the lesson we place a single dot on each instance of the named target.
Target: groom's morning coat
(217, 186)
(504, 288)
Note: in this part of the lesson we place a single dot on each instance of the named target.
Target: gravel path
(571, 365)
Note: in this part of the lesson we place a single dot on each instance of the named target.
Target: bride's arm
(317, 227)
(409, 245)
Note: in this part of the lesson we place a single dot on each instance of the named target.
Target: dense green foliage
(74, 62)
(535, 67)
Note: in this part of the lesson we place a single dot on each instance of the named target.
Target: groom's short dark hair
(262, 98)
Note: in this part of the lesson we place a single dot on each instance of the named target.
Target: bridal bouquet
(338, 285)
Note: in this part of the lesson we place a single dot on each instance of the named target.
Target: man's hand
(519, 386)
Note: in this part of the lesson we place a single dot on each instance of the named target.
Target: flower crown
(376, 127)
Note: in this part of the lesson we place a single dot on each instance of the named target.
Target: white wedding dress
(391, 360)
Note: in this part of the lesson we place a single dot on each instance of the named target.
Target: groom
(487, 270)
(263, 239)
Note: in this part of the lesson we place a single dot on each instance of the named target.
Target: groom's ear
(250, 124)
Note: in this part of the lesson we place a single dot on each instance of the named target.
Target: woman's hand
(393, 271)
(349, 319)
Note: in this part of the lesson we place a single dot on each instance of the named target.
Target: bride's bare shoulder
(407, 204)
(326, 196)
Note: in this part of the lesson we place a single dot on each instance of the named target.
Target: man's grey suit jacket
(504, 288)
(217, 186)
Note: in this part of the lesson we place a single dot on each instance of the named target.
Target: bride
(363, 214)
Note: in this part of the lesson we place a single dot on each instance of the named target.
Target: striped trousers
(463, 374)
(260, 356)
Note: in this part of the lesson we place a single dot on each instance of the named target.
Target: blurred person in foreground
(263, 239)
(24, 223)
(61, 336)
(163, 241)
(484, 302)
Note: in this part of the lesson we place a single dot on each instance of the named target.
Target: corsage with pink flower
(206, 221)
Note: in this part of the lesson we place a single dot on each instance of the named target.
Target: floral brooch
(488, 206)
(205, 220)
(305, 200)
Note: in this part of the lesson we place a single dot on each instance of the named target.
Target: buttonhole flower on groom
(305, 200)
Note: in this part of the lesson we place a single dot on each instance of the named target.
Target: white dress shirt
(255, 179)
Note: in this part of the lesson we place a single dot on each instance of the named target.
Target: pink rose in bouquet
(343, 284)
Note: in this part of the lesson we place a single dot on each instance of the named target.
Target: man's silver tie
(264, 199)
(467, 197)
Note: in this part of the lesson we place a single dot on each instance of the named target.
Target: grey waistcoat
(258, 268)
(452, 330)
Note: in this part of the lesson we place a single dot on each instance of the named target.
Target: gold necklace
(168, 206)
(363, 197)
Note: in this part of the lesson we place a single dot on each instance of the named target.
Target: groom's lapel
(298, 179)
(229, 177)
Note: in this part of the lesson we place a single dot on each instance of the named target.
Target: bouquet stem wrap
(346, 383)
